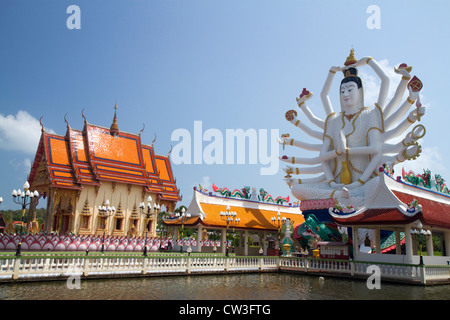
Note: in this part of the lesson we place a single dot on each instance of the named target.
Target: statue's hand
(282, 141)
(360, 62)
(335, 185)
(336, 69)
(353, 185)
(413, 95)
(413, 115)
(304, 96)
(288, 170)
(403, 71)
(341, 143)
(421, 111)
(289, 181)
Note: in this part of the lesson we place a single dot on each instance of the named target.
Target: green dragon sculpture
(440, 184)
(265, 197)
(244, 193)
(312, 227)
(421, 180)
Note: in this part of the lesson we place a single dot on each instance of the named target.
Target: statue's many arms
(354, 142)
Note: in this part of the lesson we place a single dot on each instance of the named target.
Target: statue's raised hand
(336, 69)
(304, 96)
(416, 114)
(413, 95)
(360, 62)
(403, 70)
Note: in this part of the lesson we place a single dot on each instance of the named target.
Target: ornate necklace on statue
(350, 116)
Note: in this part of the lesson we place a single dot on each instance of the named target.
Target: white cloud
(371, 82)
(21, 165)
(27, 164)
(20, 132)
(206, 184)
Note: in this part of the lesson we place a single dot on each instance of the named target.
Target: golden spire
(351, 58)
(114, 129)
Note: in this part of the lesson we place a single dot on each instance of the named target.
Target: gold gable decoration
(86, 209)
(119, 211)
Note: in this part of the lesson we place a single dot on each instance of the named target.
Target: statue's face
(350, 95)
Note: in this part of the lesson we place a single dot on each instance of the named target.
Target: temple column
(430, 250)
(408, 244)
(246, 243)
(355, 234)
(265, 243)
(398, 248)
(377, 241)
(224, 240)
(199, 238)
(49, 212)
(241, 242)
(447, 242)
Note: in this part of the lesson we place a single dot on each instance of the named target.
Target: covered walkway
(209, 212)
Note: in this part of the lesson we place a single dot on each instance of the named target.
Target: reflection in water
(266, 286)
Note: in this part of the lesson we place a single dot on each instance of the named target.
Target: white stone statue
(354, 143)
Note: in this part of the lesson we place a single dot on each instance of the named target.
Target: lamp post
(419, 233)
(183, 216)
(148, 215)
(278, 222)
(231, 220)
(23, 198)
(106, 211)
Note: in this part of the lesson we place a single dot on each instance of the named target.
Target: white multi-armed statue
(356, 141)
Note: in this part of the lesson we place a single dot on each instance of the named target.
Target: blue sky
(230, 64)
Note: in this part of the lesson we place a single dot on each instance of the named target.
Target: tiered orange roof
(99, 154)
(254, 215)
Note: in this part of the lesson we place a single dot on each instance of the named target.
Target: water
(265, 286)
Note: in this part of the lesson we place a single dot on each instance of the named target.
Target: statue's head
(351, 90)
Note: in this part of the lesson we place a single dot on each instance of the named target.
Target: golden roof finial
(114, 129)
(67, 122)
(42, 126)
(351, 58)
(82, 114)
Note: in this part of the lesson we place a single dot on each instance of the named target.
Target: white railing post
(423, 279)
(227, 264)
(144, 265)
(188, 265)
(16, 268)
(86, 267)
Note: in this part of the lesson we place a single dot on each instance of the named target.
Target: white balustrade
(50, 266)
